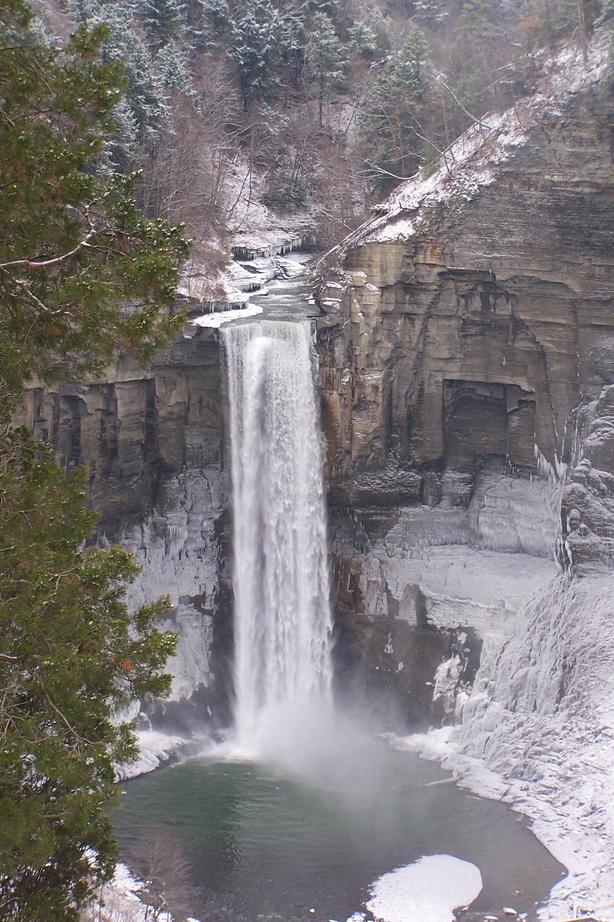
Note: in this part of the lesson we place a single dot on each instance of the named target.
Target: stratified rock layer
(478, 310)
(467, 367)
(465, 330)
(152, 444)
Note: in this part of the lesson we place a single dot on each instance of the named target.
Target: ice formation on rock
(540, 715)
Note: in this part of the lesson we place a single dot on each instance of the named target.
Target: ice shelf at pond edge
(537, 732)
(430, 888)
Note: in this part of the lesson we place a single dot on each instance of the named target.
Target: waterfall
(280, 577)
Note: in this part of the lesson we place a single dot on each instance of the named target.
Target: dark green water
(262, 845)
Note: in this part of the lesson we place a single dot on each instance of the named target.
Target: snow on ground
(430, 888)
(202, 284)
(252, 225)
(263, 243)
(154, 748)
(118, 901)
(216, 319)
(538, 733)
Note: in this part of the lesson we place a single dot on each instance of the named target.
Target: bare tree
(159, 859)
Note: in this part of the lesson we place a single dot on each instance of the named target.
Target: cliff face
(152, 443)
(467, 331)
(466, 343)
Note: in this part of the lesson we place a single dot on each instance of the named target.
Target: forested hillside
(317, 107)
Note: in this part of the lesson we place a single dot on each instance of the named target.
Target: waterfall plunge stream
(283, 667)
(302, 813)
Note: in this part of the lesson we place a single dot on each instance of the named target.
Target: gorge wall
(466, 347)
(152, 443)
(467, 370)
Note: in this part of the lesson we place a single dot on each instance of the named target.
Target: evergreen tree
(482, 19)
(606, 12)
(84, 10)
(145, 93)
(325, 58)
(329, 7)
(204, 22)
(143, 111)
(478, 46)
(334, 9)
(292, 47)
(363, 39)
(172, 65)
(71, 656)
(545, 22)
(432, 11)
(371, 32)
(121, 149)
(256, 48)
(217, 14)
(73, 252)
(73, 247)
(164, 19)
(382, 26)
(394, 111)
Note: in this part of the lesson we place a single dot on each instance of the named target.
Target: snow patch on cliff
(179, 555)
(538, 732)
(467, 166)
(475, 567)
(459, 586)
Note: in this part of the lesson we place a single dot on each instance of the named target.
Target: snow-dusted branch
(46, 263)
(474, 118)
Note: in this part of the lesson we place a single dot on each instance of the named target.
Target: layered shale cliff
(467, 370)
(151, 442)
(467, 333)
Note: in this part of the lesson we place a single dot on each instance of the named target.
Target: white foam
(430, 888)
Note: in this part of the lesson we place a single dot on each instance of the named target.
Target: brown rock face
(152, 442)
(478, 334)
(137, 428)
(464, 325)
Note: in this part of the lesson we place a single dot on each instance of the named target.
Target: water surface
(262, 844)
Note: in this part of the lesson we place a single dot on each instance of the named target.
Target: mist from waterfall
(282, 622)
